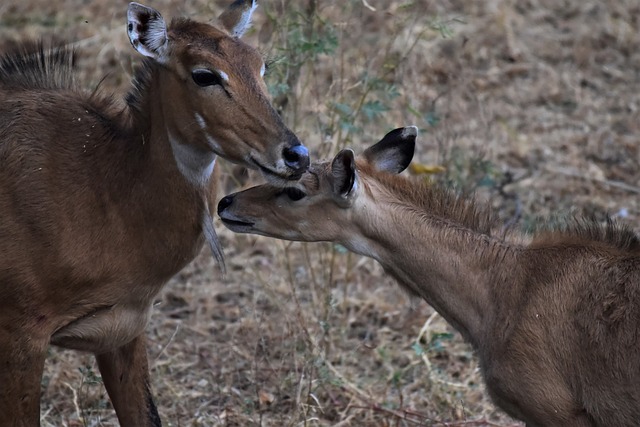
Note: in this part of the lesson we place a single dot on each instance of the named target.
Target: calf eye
(293, 193)
(204, 77)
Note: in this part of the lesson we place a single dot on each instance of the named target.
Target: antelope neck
(452, 267)
(195, 164)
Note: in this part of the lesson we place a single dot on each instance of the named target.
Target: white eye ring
(224, 75)
(263, 69)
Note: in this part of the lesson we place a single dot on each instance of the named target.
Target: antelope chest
(107, 316)
(103, 329)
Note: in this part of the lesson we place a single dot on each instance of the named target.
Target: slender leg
(21, 365)
(125, 372)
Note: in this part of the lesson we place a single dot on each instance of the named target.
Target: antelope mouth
(235, 224)
(271, 174)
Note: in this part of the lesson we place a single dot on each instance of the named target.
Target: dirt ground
(533, 104)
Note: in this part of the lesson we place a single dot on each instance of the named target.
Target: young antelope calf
(555, 321)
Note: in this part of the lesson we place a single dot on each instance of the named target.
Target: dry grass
(534, 103)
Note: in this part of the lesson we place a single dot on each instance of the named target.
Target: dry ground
(534, 103)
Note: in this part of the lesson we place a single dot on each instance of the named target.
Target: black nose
(296, 157)
(224, 203)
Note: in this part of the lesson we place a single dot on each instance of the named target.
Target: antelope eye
(203, 77)
(294, 194)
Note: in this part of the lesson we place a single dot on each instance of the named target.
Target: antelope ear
(147, 31)
(343, 174)
(237, 18)
(394, 152)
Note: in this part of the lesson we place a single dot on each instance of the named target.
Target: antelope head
(328, 201)
(207, 87)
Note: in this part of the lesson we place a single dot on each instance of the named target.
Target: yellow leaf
(420, 169)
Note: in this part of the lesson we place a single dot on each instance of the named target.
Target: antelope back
(204, 87)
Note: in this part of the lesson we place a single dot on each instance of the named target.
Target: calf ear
(237, 18)
(147, 31)
(343, 176)
(394, 152)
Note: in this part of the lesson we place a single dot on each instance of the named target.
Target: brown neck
(171, 134)
(448, 259)
(152, 194)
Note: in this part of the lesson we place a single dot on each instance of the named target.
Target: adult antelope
(555, 320)
(101, 203)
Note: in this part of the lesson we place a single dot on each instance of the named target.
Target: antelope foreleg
(125, 373)
(21, 366)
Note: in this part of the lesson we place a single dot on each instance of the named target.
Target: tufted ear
(237, 18)
(147, 31)
(343, 177)
(394, 152)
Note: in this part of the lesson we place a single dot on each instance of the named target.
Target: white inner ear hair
(244, 23)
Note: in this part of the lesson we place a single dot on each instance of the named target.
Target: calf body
(553, 318)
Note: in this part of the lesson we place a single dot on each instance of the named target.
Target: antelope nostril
(224, 203)
(296, 157)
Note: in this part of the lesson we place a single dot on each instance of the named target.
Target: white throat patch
(200, 121)
(196, 165)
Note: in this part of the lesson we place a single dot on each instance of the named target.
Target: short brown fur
(100, 203)
(554, 319)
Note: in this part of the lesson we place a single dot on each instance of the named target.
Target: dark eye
(204, 77)
(293, 193)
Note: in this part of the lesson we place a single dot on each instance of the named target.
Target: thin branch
(615, 184)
